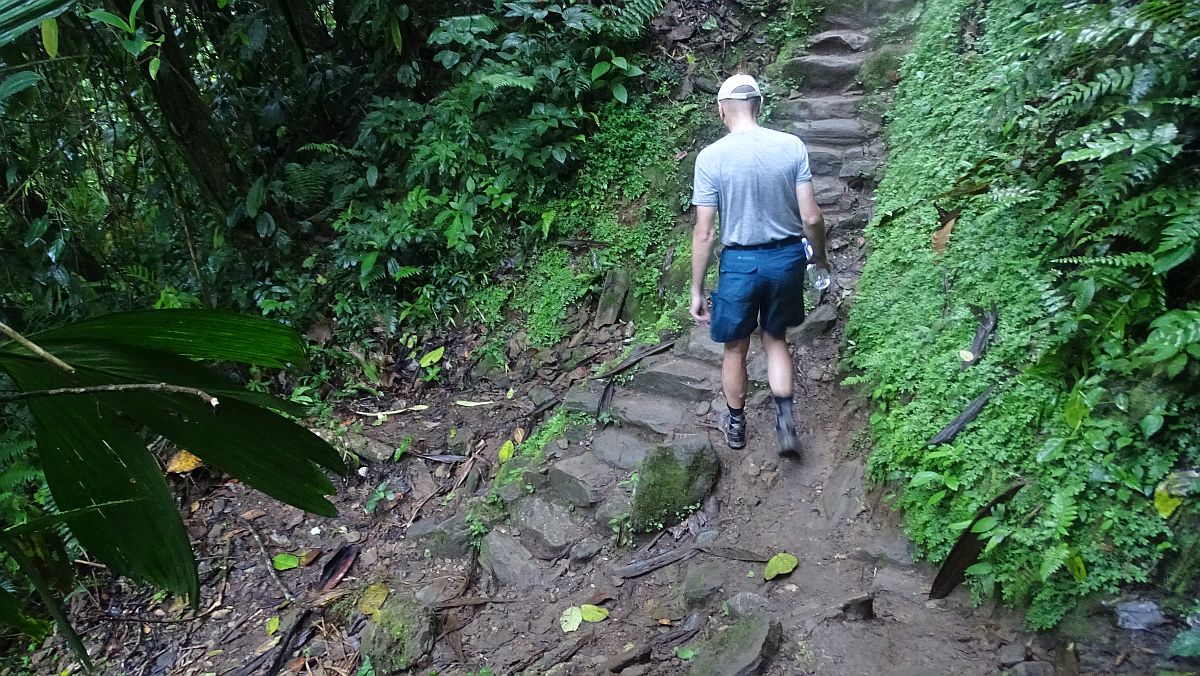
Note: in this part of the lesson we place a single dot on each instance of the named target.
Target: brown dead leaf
(252, 514)
(307, 556)
(664, 622)
(680, 155)
(518, 435)
(599, 597)
(183, 462)
(941, 237)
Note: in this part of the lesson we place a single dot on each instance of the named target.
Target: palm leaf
(18, 16)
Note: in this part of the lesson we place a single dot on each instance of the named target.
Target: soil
(855, 604)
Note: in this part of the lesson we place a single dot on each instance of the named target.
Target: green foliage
(1084, 237)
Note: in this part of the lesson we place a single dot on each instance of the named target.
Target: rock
(745, 604)
(818, 108)
(581, 479)
(702, 581)
(828, 190)
(1011, 654)
(824, 160)
(650, 412)
(697, 344)
(540, 395)
(586, 549)
(742, 649)
(1139, 615)
(612, 298)
(509, 561)
(842, 497)
(1032, 669)
(838, 41)
(843, 131)
(614, 507)
(815, 324)
(450, 538)
(861, 168)
(399, 634)
(860, 608)
(758, 399)
(685, 379)
(547, 528)
(823, 71)
(584, 397)
(619, 447)
(708, 536)
(512, 492)
(672, 480)
(702, 408)
(361, 445)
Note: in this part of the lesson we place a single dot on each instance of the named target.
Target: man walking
(759, 182)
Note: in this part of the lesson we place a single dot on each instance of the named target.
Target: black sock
(737, 412)
(783, 408)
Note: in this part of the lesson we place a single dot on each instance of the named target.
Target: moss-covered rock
(740, 649)
(672, 481)
(400, 633)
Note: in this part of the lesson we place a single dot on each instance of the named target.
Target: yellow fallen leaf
(592, 613)
(373, 598)
(519, 435)
(272, 625)
(183, 462)
(506, 451)
(469, 404)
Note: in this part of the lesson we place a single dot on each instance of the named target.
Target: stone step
(824, 71)
(823, 159)
(818, 107)
(686, 379)
(652, 412)
(856, 14)
(834, 131)
(839, 42)
(620, 447)
(696, 344)
(828, 190)
(547, 529)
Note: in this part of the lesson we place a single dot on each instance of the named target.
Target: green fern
(632, 16)
(1124, 260)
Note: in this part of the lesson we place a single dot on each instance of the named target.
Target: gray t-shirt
(751, 177)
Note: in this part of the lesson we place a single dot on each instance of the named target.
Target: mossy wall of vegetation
(1055, 147)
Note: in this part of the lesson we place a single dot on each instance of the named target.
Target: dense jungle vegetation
(1052, 152)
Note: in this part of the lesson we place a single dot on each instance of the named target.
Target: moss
(671, 481)
(400, 634)
(737, 639)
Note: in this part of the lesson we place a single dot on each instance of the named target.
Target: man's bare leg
(733, 373)
(734, 381)
(779, 374)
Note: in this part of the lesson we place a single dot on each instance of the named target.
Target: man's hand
(699, 308)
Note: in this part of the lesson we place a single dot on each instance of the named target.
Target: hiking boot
(785, 433)
(735, 431)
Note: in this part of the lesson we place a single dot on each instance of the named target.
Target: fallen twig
(950, 431)
(33, 347)
(735, 553)
(287, 594)
(120, 387)
(639, 568)
(634, 358)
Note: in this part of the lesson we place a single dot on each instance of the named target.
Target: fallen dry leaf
(941, 237)
(664, 621)
(519, 435)
(307, 556)
(252, 514)
(373, 598)
(183, 462)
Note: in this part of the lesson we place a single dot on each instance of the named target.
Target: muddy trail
(432, 568)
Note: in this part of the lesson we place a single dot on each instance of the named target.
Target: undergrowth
(1059, 143)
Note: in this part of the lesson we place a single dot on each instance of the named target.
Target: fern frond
(505, 80)
(1122, 261)
(633, 15)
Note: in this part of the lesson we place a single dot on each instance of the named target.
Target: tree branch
(29, 345)
(120, 387)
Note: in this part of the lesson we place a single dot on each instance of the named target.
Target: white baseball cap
(739, 81)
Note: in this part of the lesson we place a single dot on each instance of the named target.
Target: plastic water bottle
(816, 275)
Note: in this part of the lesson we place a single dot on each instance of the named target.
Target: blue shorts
(759, 287)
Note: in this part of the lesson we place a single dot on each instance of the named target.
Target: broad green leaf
(685, 654)
(285, 561)
(155, 64)
(600, 69)
(780, 564)
(591, 613)
(985, 524)
(272, 625)
(506, 451)
(17, 17)
(17, 83)
(256, 197)
(432, 357)
(1077, 568)
(619, 92)
(13, 615)
(91, 456)
(372, 175)
(1186, 644)
(50, 37)
(397, 37)
(620, 62)
(570, 619)
(49, 520)
(1151, 423)
(196, 333)
(922, 478)
(110, 19)
(981, 568)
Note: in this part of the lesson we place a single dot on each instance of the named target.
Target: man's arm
(702, 245)
(814, 222)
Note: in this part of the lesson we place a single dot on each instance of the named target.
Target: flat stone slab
(584, 397)
(582, 480)
(842, 497)
(650, 412)
(835, 131)
(823, 71)
(620, 448)
(828, 190)
(686, 379)
(742, 649)
(509, 561)
(843, 40)
(547, 528)
(825, 160)
(815, 324)
(818, 107)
